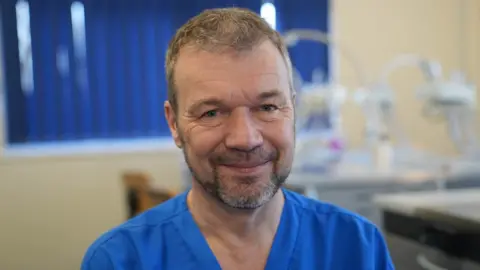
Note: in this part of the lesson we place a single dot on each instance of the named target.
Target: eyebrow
(274, 93)
(213, 101)
(205, 102)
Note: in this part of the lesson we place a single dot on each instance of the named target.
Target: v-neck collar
(285, 239)
(196, 242)
(280, 253)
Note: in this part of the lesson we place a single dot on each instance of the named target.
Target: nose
(242, 132)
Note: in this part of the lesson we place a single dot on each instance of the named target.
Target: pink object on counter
(335, 144)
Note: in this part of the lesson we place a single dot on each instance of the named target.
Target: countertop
(353, 173)
(456, 207)
(356, 167)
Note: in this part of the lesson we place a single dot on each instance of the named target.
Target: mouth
(246, 168)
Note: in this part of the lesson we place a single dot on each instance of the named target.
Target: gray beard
(214, 188)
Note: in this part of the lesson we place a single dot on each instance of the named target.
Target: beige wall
(377, 30)
(53, 207)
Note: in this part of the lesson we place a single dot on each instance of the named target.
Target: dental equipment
(453, 100)
(319, 97)
(318, 103)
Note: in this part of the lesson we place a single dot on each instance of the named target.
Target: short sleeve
(383, 261)
(97, 259)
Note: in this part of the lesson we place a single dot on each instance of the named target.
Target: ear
(172, 123)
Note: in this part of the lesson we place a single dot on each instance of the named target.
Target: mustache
(252, 157)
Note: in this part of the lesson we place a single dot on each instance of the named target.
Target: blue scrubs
(311, 235)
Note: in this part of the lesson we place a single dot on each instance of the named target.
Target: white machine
(318, 102)
(453, 100)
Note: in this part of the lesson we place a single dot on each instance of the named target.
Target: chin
(244, 202)
(241, 191)
(247, 196)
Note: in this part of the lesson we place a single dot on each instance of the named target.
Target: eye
(268, 108)
(210, 114)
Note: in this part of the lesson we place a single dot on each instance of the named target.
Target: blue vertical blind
(97, 66)
(94, 69)
(306, 56)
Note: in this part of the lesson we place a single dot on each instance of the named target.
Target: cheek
(202, 141)
(281, 135)
(285, 144)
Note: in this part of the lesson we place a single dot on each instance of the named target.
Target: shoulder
(326, 212)
(341, 231)
(126, 238)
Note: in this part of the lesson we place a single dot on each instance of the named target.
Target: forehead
(227, 75)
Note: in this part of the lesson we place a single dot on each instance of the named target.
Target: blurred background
(85, 144)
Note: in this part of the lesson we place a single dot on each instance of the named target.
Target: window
(307, 56)
(269, 13)
(24, 46)
(88, 70)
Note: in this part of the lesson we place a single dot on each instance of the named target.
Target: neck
(219, 220)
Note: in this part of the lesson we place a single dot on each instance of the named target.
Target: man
(230, 109)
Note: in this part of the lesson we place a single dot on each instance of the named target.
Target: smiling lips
(246, 167)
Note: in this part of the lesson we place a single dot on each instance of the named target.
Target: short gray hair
(218, 30)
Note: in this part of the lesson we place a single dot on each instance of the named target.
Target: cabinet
(419, 242)
(410, 255)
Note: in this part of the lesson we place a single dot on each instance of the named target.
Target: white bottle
(383, 154)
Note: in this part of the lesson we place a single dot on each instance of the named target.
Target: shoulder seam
(352, 215)
(172, 216)
(115, 233)
(95, 252)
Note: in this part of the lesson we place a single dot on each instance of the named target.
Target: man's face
(235, 122)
